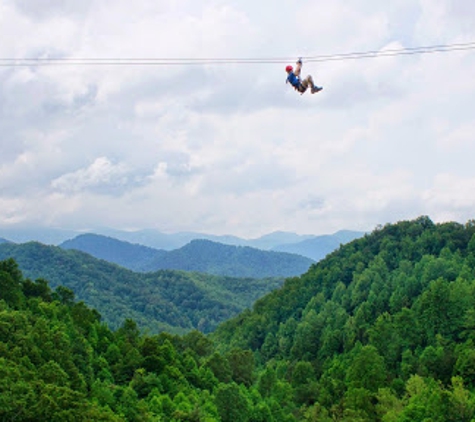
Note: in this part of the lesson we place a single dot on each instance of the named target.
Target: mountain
(345, 236)
(4, 240)
(48, 236)
(382, 329)
(167, 241)
(149, 237)
(269, 241)
(132, 256)
(318, 247)
(173, 301)
(171, 241)
(198, 255)
(235, 261)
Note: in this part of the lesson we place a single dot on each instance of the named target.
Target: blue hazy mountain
(269, 241)
(168, 241)
(149, 237)
(47, 236)
(171, 241)
(132, 256)
(199, 255)
(318, 247)
(235, 261)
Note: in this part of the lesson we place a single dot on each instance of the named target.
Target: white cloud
(451, 193)
(102, 176)
(232, 148)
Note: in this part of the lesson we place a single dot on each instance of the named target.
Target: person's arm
(298, 67)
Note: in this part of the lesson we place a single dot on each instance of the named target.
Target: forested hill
(199, 255)
(59, 363)
(382, 330)
(236, 261)
(173, 301)
(383, 326)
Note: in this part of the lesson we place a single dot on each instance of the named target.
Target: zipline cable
(395, 52)
(130, 61)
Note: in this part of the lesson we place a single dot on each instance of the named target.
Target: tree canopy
(381, 330)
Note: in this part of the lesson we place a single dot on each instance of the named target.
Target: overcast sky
(232, 149)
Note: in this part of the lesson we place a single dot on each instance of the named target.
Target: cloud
(232, 148)
(102, 176)
(451, 193)
(42, 9)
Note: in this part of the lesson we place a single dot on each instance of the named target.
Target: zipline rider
(300, 85)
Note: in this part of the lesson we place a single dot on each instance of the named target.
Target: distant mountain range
(47, 236)
(310, 246)
(173, 301)
(277, 241)
(199, 255)
(170, 241)
(235, 261)
(132, 256)
(318, 247)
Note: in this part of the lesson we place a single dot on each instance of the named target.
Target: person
(300, 85)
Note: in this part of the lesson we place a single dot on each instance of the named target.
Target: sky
(230, 148)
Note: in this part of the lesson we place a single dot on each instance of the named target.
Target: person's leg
(312, 85)
(303, 85)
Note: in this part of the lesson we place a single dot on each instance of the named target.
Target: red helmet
(289, 68)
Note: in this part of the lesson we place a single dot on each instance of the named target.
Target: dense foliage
(58, 362)
(172, 301)
(381, 330)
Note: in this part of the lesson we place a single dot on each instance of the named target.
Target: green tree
(232, 405)
(10, 289)
(220, 367)
(266, 382)
(367, 369)
(242, 364)
(304, 383)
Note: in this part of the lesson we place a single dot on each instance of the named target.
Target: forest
(380, 330)
(167, 300)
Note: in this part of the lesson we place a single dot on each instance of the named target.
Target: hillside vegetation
(380, 330)
(173, 301)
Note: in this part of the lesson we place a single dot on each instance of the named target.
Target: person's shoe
(316, 89)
